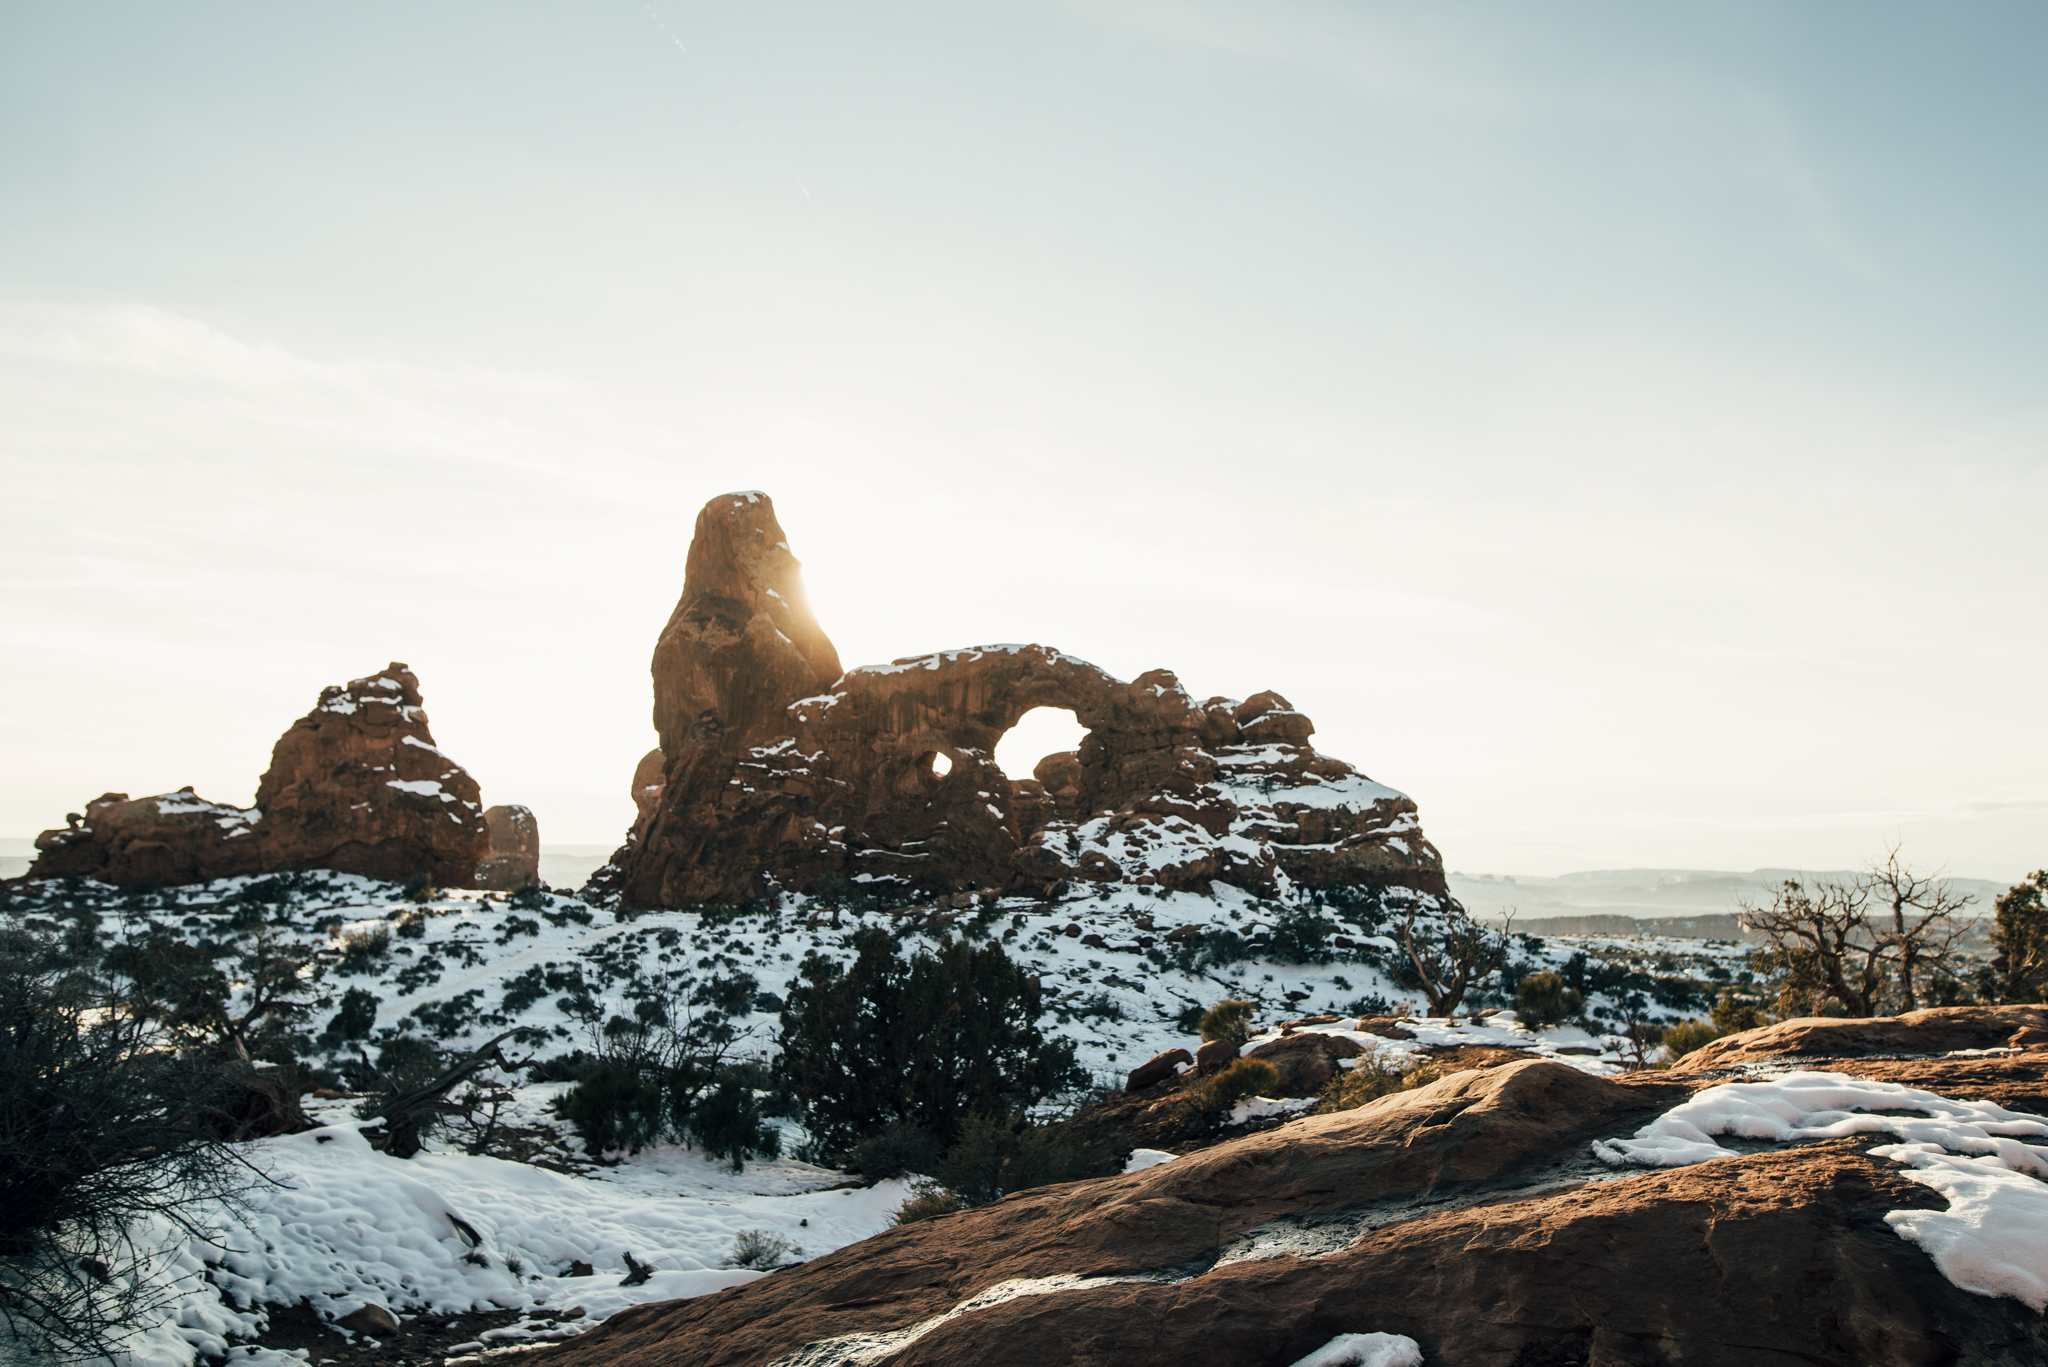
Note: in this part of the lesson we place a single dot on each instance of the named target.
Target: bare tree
(1460, 954)
(1923, 930)
(403, 1109)
(1867, 946)
(1822, 945)
(183, 987)
(103, 1131)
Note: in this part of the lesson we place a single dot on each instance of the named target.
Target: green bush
(1543, 999)
(615, 1107)
(1243, 1079)
(353, 1021)
(761, 1251)
(1229, 1019)
(1681, 1039)
(1376, 1073)
(928, 1200)
(362, 950)
(901, 1150)
(727, 1122)
(928, 1039)
(1734, 1013)
(2019, 937)
(996, 1157)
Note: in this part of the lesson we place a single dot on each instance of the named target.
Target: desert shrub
(1733, 1013)
(517, 925)
(451, 1016)
(573, 1066)
(1048, 1153)
(1376, 1073)
(412, 924)
(1243, 1079)
(616, 1107)
(357, 1014)
(761, 1251)
(726, 1121)
(1101, 1006)
(1684, 1037)
(995, 1157)
(101, 1130)
(1229, 1019)
(1301, 935)
(928, 1039)
(928, 1200)
(902, 1149)
(1371, 1004)
(234, 998)
(1543, 999)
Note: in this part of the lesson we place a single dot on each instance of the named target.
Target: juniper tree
(926, 1039)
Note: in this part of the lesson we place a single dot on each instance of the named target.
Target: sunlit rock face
(779, 770)
(356, 785)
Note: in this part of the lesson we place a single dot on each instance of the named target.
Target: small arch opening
(1040, 732)
(941, 764)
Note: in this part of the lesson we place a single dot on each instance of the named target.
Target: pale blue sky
(1619, 426)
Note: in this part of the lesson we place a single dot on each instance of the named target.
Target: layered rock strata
(777, 769)
(356, 785)
(1471, 1215)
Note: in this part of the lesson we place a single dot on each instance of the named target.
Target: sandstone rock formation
(1467, 1214)
(514, 859)
(1935, 1030)
(356, 785)
(778, 770)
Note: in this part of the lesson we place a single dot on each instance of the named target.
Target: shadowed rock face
(1459, 1214)
(514, 859)
(778, 770)
(356, 785)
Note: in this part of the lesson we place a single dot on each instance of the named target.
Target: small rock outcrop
(356, 785)
(514, 859)
(1157, 1069)
(1938, 1029)
(777, 769)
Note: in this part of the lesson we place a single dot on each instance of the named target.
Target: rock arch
(779, 770)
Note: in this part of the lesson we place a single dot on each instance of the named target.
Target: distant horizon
(18, 846)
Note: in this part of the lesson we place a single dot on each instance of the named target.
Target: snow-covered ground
(1992, 1239)
(341, 1226)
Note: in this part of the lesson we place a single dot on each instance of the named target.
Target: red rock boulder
(356, 785)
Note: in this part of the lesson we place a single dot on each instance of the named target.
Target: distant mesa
(356, 785)
(778, 769)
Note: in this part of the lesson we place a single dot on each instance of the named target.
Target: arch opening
(1040, 732)
(941, 763)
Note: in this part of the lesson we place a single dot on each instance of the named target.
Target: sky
(1619, 427)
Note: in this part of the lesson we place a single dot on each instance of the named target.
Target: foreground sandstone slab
(1468, 1215)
